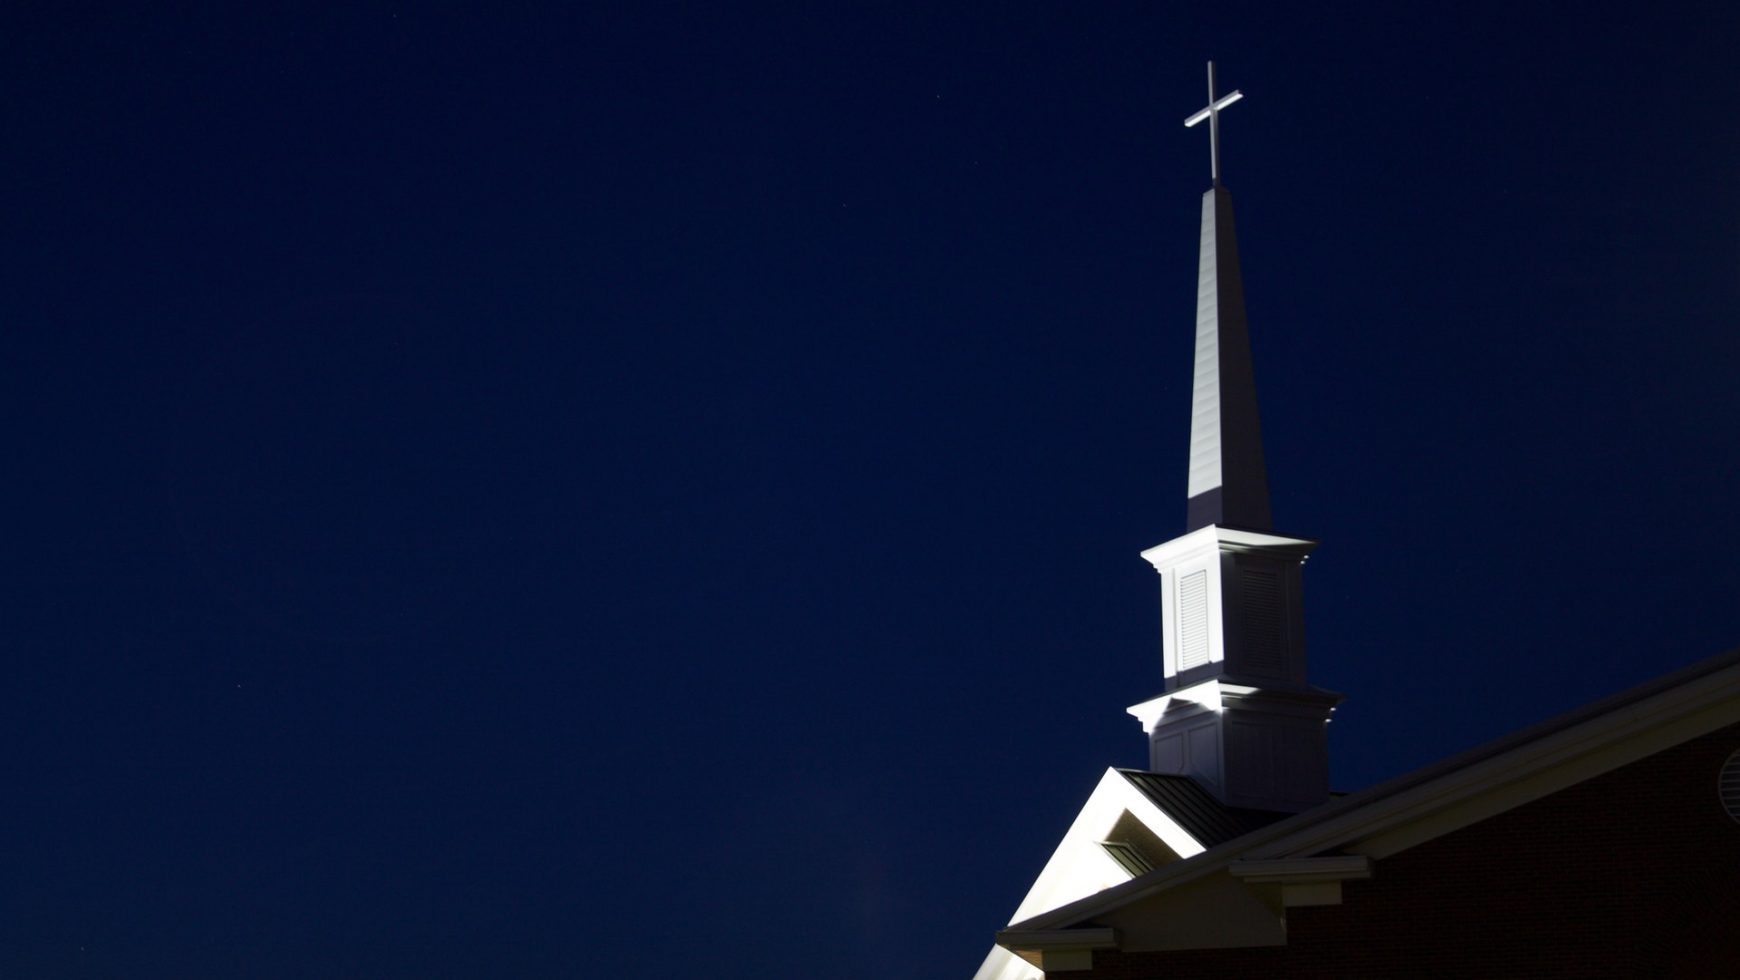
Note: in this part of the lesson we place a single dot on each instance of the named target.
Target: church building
(1602, 843)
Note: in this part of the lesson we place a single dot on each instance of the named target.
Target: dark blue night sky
(655, 491)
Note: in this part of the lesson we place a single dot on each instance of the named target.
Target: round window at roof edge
(1728, 785)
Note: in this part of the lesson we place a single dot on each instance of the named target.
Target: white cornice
(1230, 539)
(1220, 693)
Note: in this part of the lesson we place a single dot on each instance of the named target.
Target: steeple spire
(1229, 484)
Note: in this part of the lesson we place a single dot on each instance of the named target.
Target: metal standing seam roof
(1202, 816)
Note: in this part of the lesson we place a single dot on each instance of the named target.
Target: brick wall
(1632, 874)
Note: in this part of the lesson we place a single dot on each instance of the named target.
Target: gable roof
(1436, 799)
(1177, 811)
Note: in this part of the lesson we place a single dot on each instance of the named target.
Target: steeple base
(1260, 747)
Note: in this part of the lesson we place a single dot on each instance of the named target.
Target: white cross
(1211, 112)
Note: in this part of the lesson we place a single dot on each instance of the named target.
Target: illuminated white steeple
(1237, 715)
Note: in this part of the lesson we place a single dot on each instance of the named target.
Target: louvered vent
(1193, 620)
(1265, 645)
(1128, 857)
(1728, 785)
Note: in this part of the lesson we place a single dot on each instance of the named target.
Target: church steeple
(1238, 715)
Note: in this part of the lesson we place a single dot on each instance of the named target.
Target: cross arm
(1214, 107)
